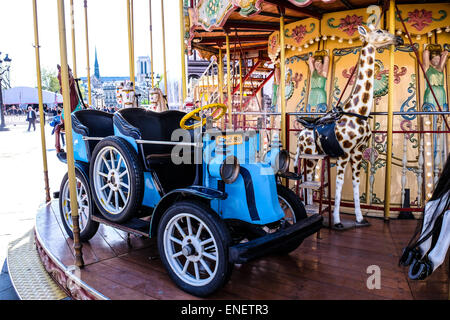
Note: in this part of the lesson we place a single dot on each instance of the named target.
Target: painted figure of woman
(434, 63)
(318, 66)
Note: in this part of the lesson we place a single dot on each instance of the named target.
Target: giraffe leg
(340, 171)
(355, 161)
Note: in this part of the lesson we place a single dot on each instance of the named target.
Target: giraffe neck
(360, 100)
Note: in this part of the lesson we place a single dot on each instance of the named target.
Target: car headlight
(282, 161)
(226, 169)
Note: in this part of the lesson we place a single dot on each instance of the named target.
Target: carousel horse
(76, 103)
(128, 98)
(343, 133)
(158, 102)
(428, 252)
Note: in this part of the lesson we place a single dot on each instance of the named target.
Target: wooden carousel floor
(333, 267)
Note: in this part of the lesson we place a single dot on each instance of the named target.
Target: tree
(50, 80)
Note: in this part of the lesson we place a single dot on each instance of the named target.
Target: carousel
(313, 153)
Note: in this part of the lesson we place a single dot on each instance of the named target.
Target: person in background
(31, 118)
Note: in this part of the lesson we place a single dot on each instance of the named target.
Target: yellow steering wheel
(194, 114)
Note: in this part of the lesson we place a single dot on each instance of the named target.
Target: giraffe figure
(352, 129)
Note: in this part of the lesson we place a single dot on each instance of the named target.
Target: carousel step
(28, 275)
(313, 156)
(310, 185)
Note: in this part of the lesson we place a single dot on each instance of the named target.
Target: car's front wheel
(294, 211)
(193, 244)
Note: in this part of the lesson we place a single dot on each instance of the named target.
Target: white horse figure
(426, 254)
(157, 101)
(126, 96)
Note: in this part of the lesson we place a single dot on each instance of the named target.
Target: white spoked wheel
(111, 180)
(83, 205)
(193, 245)
(117, 179)
(88, 227)
(191, 249)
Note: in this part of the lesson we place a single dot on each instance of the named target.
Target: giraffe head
(378, 38)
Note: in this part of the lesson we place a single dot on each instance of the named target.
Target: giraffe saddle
(323, 129)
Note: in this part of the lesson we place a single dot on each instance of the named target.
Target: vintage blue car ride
(212, 200)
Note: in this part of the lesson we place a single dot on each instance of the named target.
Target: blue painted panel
(79, 147)
(151, 194)
(257, 206)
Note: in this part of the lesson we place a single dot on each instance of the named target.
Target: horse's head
(378, 38)
(128, 95)
(157, 100)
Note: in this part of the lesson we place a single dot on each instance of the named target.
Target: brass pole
(68, 128)
(87, 54)
(230, 97)
(74, 56)
(151, 42)
(182, 48)
(130, 41)
(282, 81)
(41, 106)
(387, 185)
(221, 75)
(164, 47)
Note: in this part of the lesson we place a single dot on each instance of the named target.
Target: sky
(107, 26)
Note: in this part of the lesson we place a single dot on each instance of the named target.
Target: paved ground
(22, 186)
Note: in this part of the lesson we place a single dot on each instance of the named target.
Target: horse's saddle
(323, 128)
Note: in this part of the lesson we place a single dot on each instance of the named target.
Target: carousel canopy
(250, 24)
(28, 95)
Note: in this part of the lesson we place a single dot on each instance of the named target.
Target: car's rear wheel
(88, 227)
(193, 244)
(116, 179)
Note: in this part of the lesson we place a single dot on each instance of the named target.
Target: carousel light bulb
(429, 174)
(311, 41)
(428, 122)
(299, 48)
(429, 164)
(438, 30)
(428, 143)
(306, 45)
(447, 29)
(399, 32)
(324, 38)
(418, 37)
(350, 41)
(333, 37)
(429, 34)
(317, 39)
(340, 40)
(429, 185)
(428, 153)
(429, 195)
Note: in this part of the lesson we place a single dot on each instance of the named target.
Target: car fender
(193, 192)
